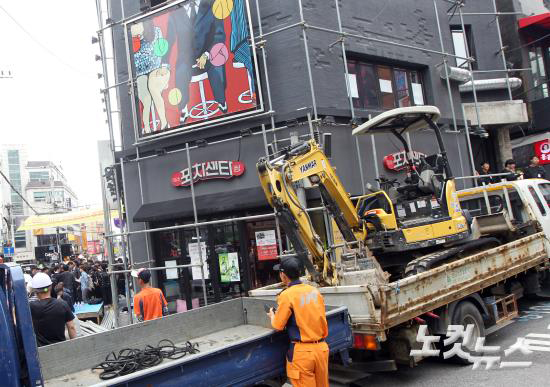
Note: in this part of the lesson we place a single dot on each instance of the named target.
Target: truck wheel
(466, 313)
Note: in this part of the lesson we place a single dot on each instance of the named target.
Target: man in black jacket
(534, 170)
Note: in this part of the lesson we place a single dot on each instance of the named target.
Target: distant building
(45, 188)
(48, 192)
(526, 35)
(13, 158)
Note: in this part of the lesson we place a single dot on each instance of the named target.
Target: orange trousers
(309, 365)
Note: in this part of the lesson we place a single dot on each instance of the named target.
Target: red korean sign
(219, 169)
(266, 243)
(542, 151)
(397, 161)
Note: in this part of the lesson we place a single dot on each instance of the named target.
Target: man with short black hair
(149, 303)
(534, 170)
(510, 168)
(301, 309)
(50, 315)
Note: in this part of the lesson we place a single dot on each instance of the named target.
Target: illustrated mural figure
(196, 19)
(151, 75)
(192, 62)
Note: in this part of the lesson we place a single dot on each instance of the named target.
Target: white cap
(40, 281)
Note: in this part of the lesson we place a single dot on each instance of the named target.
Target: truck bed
(374, 308)
(207, 344)
(236, 343)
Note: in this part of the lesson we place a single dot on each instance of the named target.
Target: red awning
(542, 20)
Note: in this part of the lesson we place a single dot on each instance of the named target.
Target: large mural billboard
(192, 63)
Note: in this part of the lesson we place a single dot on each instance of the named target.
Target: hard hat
(40, 281)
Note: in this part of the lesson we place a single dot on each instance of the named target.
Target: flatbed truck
(480, 288)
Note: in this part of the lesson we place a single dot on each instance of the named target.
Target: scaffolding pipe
(467, 49)
(502, 55)
(157, 268)
(199, 241)
(108, 245)
(106, 209)
(142, 202)
(448, 82)
(348, 34)
(186, 130)
(124, 239)
(468, 140)
(308, 63)
(266, 76)
(350, 98)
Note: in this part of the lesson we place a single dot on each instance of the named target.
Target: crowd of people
(77, 280)
(54, 290)
(533, 171)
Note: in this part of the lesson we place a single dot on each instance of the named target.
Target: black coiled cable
(130, 360)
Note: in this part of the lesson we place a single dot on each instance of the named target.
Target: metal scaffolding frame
(260, 43)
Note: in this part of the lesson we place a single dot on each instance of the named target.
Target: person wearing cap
(149, 303)
(301, 309)
(50, 315)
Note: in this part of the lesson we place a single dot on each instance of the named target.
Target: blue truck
(236, 345)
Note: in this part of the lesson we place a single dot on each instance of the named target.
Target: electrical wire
(53, 54)
(18, 193)
(129, 360)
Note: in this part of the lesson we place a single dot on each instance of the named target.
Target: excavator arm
(278, 177)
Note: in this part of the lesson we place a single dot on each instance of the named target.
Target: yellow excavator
(403, 230)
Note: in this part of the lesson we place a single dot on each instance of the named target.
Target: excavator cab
(424, 211)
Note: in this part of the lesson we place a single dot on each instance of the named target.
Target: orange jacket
(149, 304)
(301, 309)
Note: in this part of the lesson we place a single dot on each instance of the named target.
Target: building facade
(14, 210)
(48, 192)
(527, 39)
(294, 63)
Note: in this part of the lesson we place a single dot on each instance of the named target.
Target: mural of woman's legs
(145, 98)
(158, 82)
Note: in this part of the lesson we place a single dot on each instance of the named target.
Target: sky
(53, 102)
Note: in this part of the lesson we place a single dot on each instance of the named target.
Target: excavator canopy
(404, 120)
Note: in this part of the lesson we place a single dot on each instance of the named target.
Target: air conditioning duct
(490, 84)
(457, 74)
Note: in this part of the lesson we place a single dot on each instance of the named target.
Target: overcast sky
(53, 103)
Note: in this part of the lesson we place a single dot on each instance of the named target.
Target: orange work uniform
(301, 309)
(149, 304)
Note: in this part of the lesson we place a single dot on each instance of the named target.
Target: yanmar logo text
(306, 167)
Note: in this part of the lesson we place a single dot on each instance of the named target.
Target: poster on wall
(229, 267)
(266, 243)
(192, 63)
(171, 273)
(542, 151)
(196, 260)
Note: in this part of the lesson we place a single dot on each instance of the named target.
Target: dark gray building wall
(405, 22)
(410, 23)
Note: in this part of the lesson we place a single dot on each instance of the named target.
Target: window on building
(376, 86)
(539, 59)
(40, 196)
(40, 176)
(463, 45)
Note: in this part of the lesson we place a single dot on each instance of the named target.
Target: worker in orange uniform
(301, 309)
(149, 303)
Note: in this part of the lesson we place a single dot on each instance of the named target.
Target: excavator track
(429, 261)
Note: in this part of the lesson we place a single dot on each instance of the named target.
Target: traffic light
(110, 177)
